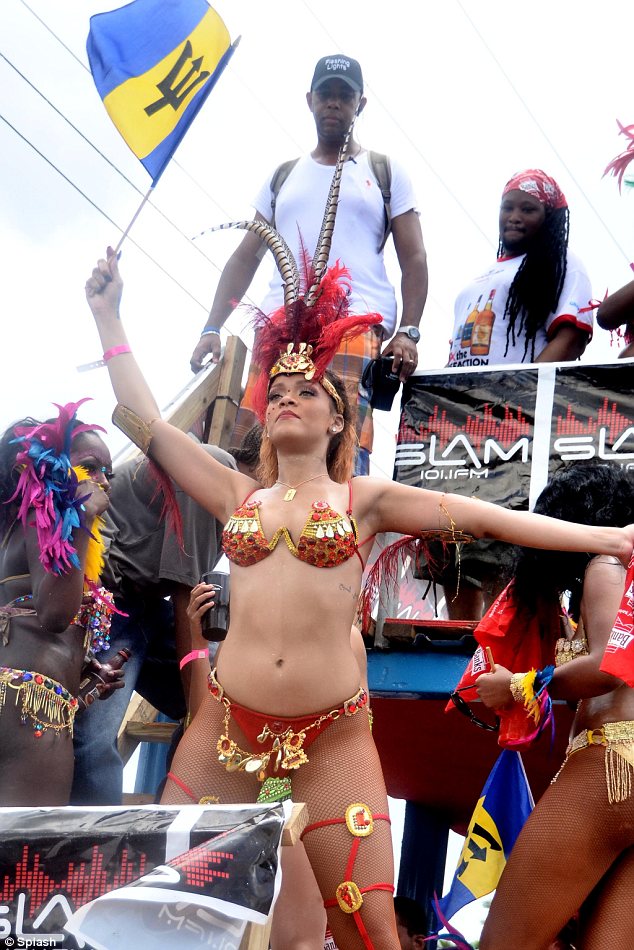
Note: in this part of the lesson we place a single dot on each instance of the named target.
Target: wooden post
(228, 393)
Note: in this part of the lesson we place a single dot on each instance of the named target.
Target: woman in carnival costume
(576, 850)
(53, 490)
(285, 699)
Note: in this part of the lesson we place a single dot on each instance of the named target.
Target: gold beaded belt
(618, 740)
(44, 702)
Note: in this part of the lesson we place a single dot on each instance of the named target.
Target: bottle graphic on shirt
(483, 328)
(467, 330)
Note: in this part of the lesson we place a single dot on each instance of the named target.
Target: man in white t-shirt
(336, 94)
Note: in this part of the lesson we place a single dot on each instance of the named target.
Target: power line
(100, 210)
(102, 155)
(540, 128)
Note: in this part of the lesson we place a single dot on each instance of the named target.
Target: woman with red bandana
(531, 306)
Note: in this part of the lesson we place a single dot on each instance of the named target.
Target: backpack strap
(280, 175)
(381, 169)
(380, 165)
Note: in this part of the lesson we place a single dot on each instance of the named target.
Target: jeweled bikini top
(327, 539)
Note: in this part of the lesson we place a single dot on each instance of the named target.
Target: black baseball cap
(338, 67)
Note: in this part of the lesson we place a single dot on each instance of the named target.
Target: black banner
(498, 434)
(171, 875)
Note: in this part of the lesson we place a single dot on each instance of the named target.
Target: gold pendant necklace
(292, 489)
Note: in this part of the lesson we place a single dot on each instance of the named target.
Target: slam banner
(144, 877)
(498, 434)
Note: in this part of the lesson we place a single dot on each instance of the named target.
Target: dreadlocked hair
(341, 449)
(586, 492)
(536, 288)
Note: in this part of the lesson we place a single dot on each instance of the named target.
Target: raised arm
(234, 282)
(412, 510)
(214, 486)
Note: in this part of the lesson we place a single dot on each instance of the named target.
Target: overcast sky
(463, 92)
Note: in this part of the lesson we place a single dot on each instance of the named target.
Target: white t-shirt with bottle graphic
(479, 333)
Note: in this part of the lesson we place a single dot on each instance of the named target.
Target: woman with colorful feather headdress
(285, 701)
(53, 491)
(575, 852)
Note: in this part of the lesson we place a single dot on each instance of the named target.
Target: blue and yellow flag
(154, 63)
(502, 809)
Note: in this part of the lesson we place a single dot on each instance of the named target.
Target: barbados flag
(502, 809)
(154, 62)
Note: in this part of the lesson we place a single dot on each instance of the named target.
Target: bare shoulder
(603, 570)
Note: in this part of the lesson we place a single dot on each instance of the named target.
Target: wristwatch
(412, 332)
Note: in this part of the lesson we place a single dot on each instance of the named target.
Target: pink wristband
(194, 655)
(115, 351)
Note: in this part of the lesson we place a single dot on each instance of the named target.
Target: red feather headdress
(618, 165)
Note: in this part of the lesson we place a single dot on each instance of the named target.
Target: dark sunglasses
(467, 711)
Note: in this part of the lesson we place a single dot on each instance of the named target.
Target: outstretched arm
(412, 510)
(214, 486)
(234, 282)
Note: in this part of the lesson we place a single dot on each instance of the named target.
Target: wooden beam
(141, 711)
(199, 398)
(150, 731)
(295, 824)
(228, 392)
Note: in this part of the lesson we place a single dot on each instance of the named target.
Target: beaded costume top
(570, 647)
(327, 539)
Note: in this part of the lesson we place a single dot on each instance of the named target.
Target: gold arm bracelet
(133, 426)
(516, 687)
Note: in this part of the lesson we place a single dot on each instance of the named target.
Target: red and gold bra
(327, 539)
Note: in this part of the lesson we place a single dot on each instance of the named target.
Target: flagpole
(135, 216)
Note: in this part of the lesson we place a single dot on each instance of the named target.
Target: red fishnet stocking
(573, 842)
(343, 768)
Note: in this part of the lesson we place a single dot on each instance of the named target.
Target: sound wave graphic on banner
(607, 417)
(196, 865)
(506, 430)
(83, 882)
